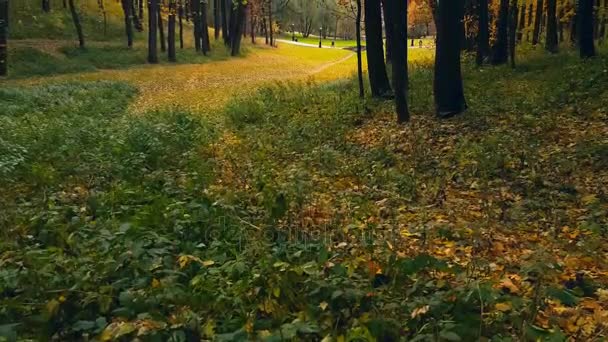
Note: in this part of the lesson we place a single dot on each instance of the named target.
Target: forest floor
(297, 210)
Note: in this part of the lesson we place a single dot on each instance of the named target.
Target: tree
(216, 19)
(3, 37)
(501, 47)
(388, 29)
(181, 23)
(224, 14)
(521, 23)
(537, 20)
(171, 31)
(376, 68)
(204, 27)
(551, 42)
(161, 28)
(195, 9)
(447, 85)
(152, 31)
(236, 27)
(585, 28)
(398, 13)
(77, 25)
(359, 62)
(512, 31)
(127, 7)
(483, 32)
(46, 5)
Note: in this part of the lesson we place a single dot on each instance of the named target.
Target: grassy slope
(303, 211)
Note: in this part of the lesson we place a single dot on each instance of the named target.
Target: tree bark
(152, 31)
(483, 33)
(204, 29)
(388, 30)
(448, 87)
(171, 32)
(537, 21)
(77, 25)
(225, 34)
(216, 19)
(398, 11)
(195, 9)
(585, 28)
(513, 31)
(141, 9)
(127, 8)
(501, 46)
(4, 37)
(521, 23)
(136, 19)
(530, 16)
(270, 22)
(46, 5)
(236, 27)
(376, 68)
(181, 24)
(560, 24)
(359, 61)
(161, 29)
(551, 42)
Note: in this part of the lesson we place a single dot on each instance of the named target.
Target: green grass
(269, 220)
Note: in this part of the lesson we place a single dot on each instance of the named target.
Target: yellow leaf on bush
(504, 307)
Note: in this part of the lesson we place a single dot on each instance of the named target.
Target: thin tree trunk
(171, 31)
(603, 24)
(398, 12)
(551, 42)
(216, 19)
(501, 46)
(537, 22)
(225, 34)
(270, 23)
(530, 16)
(560, 24)
(126, 8)
(376, 68)
(265, 25)
(236, 25)
(252, 29)
(181, 24)
(104, 14)
(204, 29)
(447, 85)
(483, 33)
(195, 9)
(77, 25)
(4, 37)
(152, 31)
(161, 29)
(359, 61)
(513, 31)
(388, 29)
(141, 9)
(46, 5)
(585, 28)
(521, 23)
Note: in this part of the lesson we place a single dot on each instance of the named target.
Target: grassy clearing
(302, 213)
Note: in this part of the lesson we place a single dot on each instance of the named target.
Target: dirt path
(203, 87)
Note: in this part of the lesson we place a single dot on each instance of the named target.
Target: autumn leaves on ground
(259, 198)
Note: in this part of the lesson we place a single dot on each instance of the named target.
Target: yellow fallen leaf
(323, 305)
(504, 307)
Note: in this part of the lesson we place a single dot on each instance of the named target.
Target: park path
(208, 86)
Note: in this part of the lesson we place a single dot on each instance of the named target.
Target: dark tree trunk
(447, 85)
(252, 29)
(551, 42)
(270, 22)
(560, 24)
(604, 20)
(376, 68)
(204, 29)
(585, 28)
(137, 21)
(359, 61)
(77, 25)
(141, 9)
(195, 8)
(501, 46)
(537, 22)
(573, 29)
(3, 37)
(512, 31)
(530, 16)
(236, 28)
(483, 33)
(181, 25)
(224, 10)
(398, 12)
(171, 31)
(216, 19)
(388, 30)
(46, 5)
(521, 23)
(265, 27)
(127, 8)
(161, 29)
(596, 20)
(152, 31)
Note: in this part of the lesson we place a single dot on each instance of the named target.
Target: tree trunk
(204, 29)
(171, 31)
(141, 9)
(359, 61)
(104, 14)
(388, 29)
(512, 31)
(376, 68)
(521, 23)
(560, 24)
(265, 26)
(530, 16)
(585, 28)
(271, 26)
(77, 25)
(551, 42)
(136, 19)
(603, 24)
(483, 33)
(398, 12)
(501, 46)
(447, 85)
(126, 8)
(236, 27)
(181, 24)
(537, 20)
(224, 10)
(596, 20)
(152, 31)
(216, 19)
(3, 37)
(46, 5)
(161, 29)
(195, 8)
(252, 29)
